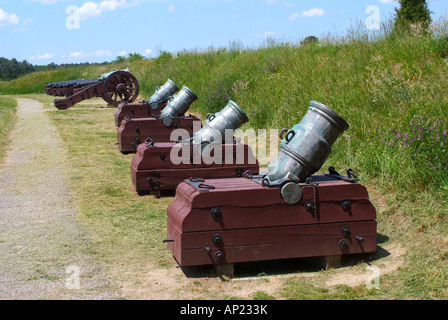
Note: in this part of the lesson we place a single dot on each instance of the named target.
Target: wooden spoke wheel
(120, 86)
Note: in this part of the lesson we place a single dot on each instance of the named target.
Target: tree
(412, 14)
(11, 69)
(309, 40)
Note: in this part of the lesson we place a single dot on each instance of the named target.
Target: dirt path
(44, 253)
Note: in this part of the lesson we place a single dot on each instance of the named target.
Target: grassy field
(7, 113)
(391, 90)
(127, 230)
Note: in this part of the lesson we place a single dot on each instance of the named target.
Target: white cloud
(89, 10)
(110, 5)
(294, 16)
(97, 53)
(388, 1)
(76, 54)
(8, 18)
(147, 52)
(46, 1)
(102, 53)
(122, 54)
(267, 34)
(171, 8)
(315, 12)
(92, 9)
(45, 56)
(289, 4)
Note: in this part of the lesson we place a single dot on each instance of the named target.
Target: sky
(75, 31)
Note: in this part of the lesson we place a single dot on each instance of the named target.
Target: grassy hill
(391, 89)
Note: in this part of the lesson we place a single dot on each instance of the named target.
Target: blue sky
(73, 31)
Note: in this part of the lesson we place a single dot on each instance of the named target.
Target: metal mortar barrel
(179, 104)
(307, 145)
(214, 130)
(164, 92)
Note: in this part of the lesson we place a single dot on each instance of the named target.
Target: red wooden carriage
(153, 169)
(114, 87)
(286, 212)
(226, 221)
(135, 110)
(146, 109)
(132, 132)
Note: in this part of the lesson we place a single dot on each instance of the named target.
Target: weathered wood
(137, 110)
(272, 235)
(232, 217)
(243, 192)
(318, 244)
(133, 132)
(159, 154)
(169, 179)
(254, 223)
(91, 91)
(153, 169)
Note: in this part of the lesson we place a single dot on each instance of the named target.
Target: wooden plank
(158, 156)
(194, 220)
(169, 179)
(276, 234)
(325, 245)
(246, 193)
(136, 110)
(133, 132)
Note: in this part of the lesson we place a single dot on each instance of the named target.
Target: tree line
(12, 68)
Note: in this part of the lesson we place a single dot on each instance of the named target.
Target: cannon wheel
(120, 86)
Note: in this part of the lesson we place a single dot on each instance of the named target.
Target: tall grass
(378, 81)
(7, 115)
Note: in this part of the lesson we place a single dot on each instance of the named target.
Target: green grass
(390, 89)
(7, 117)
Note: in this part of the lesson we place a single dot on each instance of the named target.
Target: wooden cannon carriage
(226, 221)
(161, 166)
(285, 212)
(134, 131)
(149, 108)
(114, 87)
(154, 171)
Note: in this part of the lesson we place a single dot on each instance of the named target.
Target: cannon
(149, 108)
(67, 88)
(114, 87)
(212, 151)
(134, 131)
(287, 211)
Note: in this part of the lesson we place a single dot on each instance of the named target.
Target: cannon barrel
(179, 104)
(63, 84)
(231, 117)
(162, 93)
(306, 146)
(104, 76)
(86, 82)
